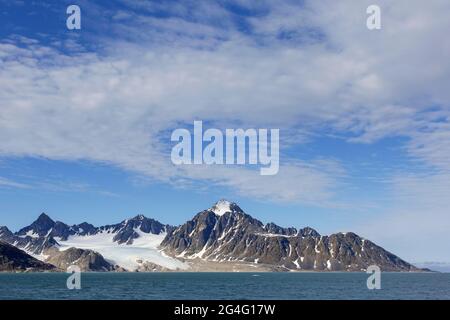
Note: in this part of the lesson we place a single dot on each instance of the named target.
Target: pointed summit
(139, 217)
(223, 206)
(44, 218)
(5, 233)
(40, 227)
(131, 228)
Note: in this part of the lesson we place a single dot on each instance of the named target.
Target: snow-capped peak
(221, 207)
(139, 217)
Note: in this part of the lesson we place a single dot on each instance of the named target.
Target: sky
(364, 115)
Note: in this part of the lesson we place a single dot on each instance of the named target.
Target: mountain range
(221, 238)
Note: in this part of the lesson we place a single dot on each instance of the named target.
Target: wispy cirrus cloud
(8, 183)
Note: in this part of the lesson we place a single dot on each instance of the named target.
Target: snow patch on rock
(221, 207)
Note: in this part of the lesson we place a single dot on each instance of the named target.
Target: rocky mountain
(128, 230)
(31, 243)
(44, 233)
(39, 228)
(224, 233)
(221, 236)
(13, 259)
(87, 260)
(129, 245)
(41, 235)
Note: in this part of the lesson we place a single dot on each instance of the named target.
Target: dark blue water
(225, 286)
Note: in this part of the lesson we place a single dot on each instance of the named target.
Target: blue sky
(86, 115)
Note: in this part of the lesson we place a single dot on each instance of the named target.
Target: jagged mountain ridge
(222, 234)
(31, 244)
(83, 244)
(44, 233)
(229, 234)
(126, 230)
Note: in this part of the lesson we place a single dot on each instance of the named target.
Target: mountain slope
(13, 259)
(130, 229)
(224, 233)
(87, 260)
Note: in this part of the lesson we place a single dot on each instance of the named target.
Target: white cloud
(8, 183)
(158, 74)
(113, 110)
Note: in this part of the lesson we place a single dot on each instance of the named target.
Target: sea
(220, 286)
